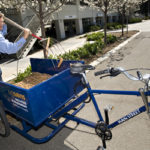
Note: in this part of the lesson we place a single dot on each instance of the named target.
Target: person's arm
(11, 48)
(4, 30)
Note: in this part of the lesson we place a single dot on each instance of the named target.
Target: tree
(42, 8)
(124, 7)
(105, 6)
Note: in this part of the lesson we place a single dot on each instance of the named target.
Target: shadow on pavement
(17, 142)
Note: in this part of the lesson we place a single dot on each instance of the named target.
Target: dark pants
(1, 75)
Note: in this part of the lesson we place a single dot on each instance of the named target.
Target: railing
(33, 25)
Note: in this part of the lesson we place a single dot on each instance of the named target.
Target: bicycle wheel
(4, 125)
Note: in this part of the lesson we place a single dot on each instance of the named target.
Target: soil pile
(32, 80)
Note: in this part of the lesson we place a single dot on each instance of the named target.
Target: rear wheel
(4, 125)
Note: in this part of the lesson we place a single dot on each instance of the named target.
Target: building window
(86, 23)
(99, 20)
(114, 18)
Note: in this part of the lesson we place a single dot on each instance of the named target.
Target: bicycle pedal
(109, 107)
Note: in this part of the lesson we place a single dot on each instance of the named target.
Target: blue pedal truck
(67, 89)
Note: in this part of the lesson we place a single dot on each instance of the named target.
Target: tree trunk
(122, 23)
(105, 27)
(127, 24)
(42, 27)
(123, 17)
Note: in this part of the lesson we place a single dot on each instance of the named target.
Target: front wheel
(4, 125)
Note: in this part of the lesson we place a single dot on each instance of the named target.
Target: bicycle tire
(4, 125)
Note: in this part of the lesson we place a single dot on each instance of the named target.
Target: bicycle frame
(91, 92)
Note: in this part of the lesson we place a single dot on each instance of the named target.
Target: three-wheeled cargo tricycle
(67, 89)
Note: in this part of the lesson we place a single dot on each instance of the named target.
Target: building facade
(75, 17)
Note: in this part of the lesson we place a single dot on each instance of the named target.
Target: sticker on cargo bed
(18, 95)
(19, 103)
(18, 100)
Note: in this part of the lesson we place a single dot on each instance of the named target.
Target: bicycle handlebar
(116, 71)
(102, 72)
(110, 72)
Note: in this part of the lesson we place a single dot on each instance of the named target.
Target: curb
(105, 56)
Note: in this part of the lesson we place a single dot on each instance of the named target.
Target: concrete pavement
(132, 135)
(135, 133)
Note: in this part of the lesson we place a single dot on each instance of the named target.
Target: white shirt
(9, 47)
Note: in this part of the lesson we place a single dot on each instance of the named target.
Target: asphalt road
(131, 135)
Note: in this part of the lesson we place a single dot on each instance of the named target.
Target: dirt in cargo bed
(32, 80)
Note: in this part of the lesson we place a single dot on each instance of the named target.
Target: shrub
(83, 53)
(95, 36)
(100, 45)
(70, 56)
(111, 38)
(135, 20)
(146, 18)
(114, 25)
(94, 28)
(91, 48)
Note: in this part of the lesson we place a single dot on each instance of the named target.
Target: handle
(36, 36)
(60, 62)
(102, 72)
(13, 23)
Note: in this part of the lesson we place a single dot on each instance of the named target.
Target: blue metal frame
(55, 105)
(116, 92)
(78, 101)
(56, 129)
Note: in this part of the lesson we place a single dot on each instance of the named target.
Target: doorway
(70, 28)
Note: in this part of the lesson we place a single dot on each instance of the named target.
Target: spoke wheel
(4, 125)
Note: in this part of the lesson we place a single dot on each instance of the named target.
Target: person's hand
(26, 33)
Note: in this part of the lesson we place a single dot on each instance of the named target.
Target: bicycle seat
(78, 68)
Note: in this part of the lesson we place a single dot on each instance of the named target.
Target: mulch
(32, 80)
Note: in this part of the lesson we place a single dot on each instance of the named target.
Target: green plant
(95, 36)
(91, 48)
(135, 20)
(100, 45)
(114, 25)
(146, 18)
(83, 53)
(51, 57)
(21, 76)
(71, 55)
(94, 28)
(111, 38)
